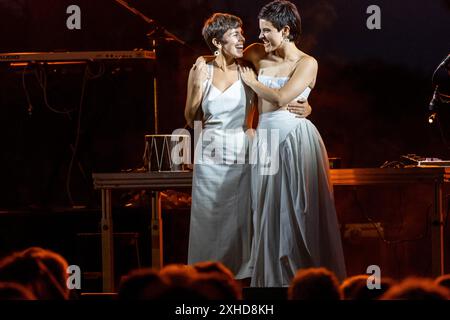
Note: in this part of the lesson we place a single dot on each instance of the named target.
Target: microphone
(434, 100)
(433, 106)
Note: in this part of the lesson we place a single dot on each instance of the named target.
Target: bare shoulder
(254, 52)
(307, 61)
(306, 66)
(256, 48)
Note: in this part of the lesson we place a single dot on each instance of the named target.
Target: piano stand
(155, 181)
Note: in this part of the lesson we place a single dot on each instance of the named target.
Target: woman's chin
(267, 47)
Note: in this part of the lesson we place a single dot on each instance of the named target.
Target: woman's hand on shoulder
(199, 71)
(248, 75)
(244, 63)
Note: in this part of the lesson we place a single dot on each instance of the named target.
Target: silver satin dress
(294, 214)
(221, 217)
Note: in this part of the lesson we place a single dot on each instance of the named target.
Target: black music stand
(157, 35)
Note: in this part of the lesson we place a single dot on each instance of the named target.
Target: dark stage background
(370, 103)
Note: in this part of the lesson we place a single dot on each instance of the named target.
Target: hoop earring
(216, 53)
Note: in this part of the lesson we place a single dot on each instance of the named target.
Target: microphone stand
(436, 99)
(439, 99)
(155, 36)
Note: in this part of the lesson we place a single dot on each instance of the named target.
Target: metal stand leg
(107, 242)
(155, 103)
(157, 233)
(437, 233)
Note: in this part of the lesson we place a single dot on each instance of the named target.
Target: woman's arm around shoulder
(254, 53)
(197, 75)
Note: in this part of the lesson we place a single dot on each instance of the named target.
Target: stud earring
(216, 53)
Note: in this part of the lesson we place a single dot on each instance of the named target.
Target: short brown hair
(217, 25)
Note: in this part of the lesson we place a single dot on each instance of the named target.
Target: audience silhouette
(39, 274)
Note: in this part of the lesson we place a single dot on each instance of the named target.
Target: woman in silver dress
(294, 214)
(220, 227)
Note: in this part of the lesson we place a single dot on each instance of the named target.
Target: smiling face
(270, 36)
(232, 43)
(223, 33)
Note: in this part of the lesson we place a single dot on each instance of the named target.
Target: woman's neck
(287, 51)
(225, 63)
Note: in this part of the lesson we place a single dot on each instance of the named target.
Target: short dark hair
(142, 284)
(314, 284)
(283, 13)
(43, 270)
(217, 287)
(217, 25)
(416, 289)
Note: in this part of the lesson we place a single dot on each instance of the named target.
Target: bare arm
(197, 75)
(254, 53)
(304, 74)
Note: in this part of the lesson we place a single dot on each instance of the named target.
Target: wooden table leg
(107, 242)
(437, 233)
(157, 232)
